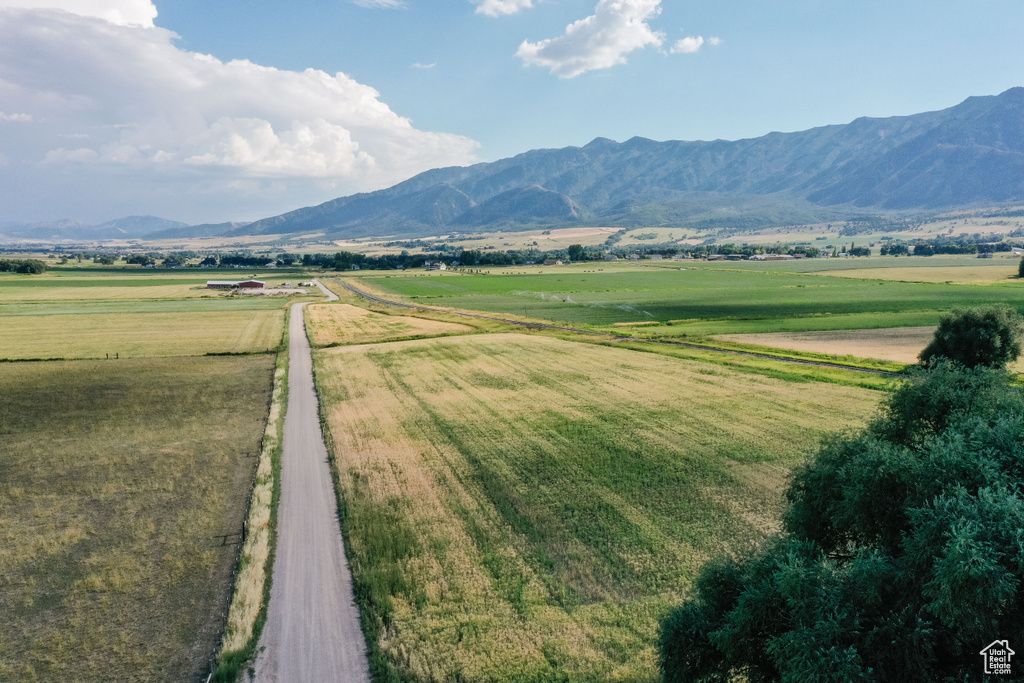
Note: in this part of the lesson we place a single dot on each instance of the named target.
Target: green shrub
(987, 335)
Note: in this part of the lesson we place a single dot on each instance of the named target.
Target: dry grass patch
(899, 344)
(348, 324)
(139, 335)
(526, 508)
(118, 482)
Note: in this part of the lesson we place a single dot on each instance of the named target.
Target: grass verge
(248, 611)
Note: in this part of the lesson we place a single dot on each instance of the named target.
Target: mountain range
(971, 154)
(968, 155)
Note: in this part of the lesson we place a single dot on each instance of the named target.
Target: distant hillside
(192, 231)
(970, 154)
(131, 227)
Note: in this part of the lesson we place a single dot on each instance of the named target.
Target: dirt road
(312, 631)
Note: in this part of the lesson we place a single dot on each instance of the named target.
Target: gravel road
(312, 631)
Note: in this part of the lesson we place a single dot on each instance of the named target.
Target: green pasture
(819, 265)
(698, 294)
(848, 321)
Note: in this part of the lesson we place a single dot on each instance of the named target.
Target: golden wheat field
(140, 335)
(340, 323)
(521, 507)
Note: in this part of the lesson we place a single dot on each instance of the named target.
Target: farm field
(701, 294)
(521, 507)
(135, 307)
(140, 335)
(340, 323)
(900, 344)
(849, 321)
(957, 274)
(817, 265)
(117, 285)
(123, 487)
(68, 314)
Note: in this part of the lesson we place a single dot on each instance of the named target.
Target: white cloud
(172, 122)
(120, 12)
(497, 8)
(417, 65)
(380, 4)
(19, 118)
(60, 156)
(691, 44)
(688, 45)
(599, 41)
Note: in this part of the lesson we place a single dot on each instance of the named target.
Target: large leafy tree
(901, 556)
(986, 335)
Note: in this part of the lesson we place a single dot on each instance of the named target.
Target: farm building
(552, 262)
(435, 265)
(235, 284)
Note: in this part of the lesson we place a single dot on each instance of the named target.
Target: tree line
(31, 266)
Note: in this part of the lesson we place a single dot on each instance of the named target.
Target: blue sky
(104, 112)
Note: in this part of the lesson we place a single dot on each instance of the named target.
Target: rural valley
(511, 341)
(532, 463)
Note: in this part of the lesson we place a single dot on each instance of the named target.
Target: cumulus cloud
(19, 118)
(691, 44)
(688, 45)
(120, 12)
(143, 110)
(497, 8)
(599, 41)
